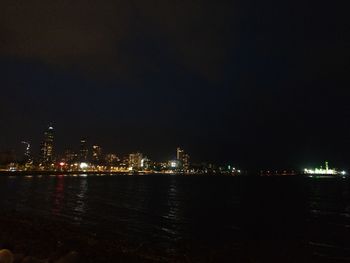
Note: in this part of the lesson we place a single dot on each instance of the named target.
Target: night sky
(259, 84)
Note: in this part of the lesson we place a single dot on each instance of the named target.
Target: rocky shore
(34, 240)
(25, 239)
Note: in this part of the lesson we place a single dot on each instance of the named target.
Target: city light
(83, 165)
(173, 164)
(91, 159)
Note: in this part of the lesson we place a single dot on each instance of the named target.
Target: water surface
(169, 212)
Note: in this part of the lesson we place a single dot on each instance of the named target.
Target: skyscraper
(83, 156)
(46, 155)
(186, 162)
(183, 159)
(27, 156)
(179, 153)
(96, 154)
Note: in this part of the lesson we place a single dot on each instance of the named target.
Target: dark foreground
(176, 219)
(50, 241)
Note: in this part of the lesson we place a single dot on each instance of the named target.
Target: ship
(324, 172)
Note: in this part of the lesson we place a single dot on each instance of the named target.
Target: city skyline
(84, 151)
(259, 83)
(88, 154)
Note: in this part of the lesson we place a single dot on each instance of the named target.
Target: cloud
(95, 34)
(61, 31)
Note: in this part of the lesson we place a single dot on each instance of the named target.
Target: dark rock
(18, 258)
(71, 257)
(6, 256)
(32, 260)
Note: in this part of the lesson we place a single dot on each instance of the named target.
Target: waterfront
(292, 219)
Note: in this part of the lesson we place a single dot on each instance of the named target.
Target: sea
(173, 213)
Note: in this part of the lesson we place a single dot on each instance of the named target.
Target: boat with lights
(325, 172)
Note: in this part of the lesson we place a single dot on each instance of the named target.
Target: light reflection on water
(70, 200)
(58, 196)
(81, 202)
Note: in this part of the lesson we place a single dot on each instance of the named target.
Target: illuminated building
(83, 166)
(179, 153)
(324, 171)
(96, 154)
(111, 159)
(83, 153)
(70, 156)
(124, 162)
(145, 163)
(27, 155)
(135, 161)
(186, 162)
(183, 159)
(174, 164)
(46, 154)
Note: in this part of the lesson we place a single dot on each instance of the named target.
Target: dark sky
(255, 83)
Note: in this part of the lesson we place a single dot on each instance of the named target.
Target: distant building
(174, 165)
(70, 156)
(186, 162)
(124, 162)
(135, 161)
(145, 163)
(84, 152)
(111, 159)
(183, 159)
(46, 149)
(27, 155)
(96, 154)
(179, 153)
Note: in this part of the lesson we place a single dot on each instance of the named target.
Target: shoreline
(108, 173)
(48, 240)
(24, 173)
(38, 173)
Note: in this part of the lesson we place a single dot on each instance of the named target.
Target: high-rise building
(27, 155)
(96, 154)
(186, 162)
(135, 161)
(111, 159)
(179, 153)
(84, 152)
(46, 155)
(183, 159)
